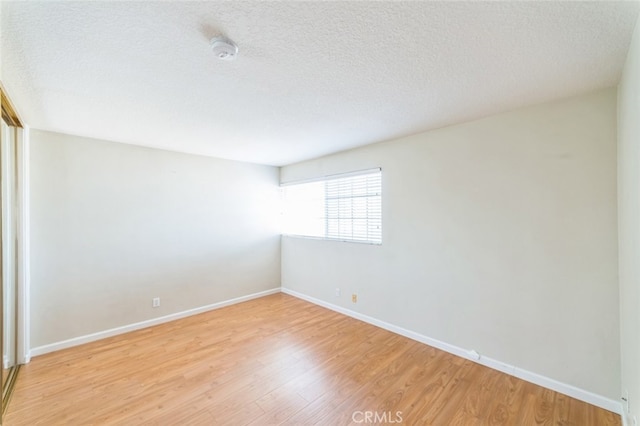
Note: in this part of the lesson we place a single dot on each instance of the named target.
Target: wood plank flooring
(278, 360)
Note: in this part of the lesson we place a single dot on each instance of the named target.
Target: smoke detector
(224, 48)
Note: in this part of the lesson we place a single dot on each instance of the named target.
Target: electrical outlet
(337, 292)
(354, 298)
(155, 302)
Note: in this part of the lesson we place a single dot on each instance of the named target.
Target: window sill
(338, 240)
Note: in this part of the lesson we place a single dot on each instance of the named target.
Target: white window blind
(343, 207)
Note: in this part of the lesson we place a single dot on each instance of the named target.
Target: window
(346, 207)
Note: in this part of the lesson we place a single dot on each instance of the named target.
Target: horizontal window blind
(353, 208)
(342, 207)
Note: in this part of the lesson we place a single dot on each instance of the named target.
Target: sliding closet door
(5, 371)
(10, 133)
(8, 256)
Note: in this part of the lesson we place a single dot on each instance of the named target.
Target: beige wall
(114, 225)
(499, 235)
(629, 224)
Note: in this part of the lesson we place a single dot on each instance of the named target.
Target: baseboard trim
(76, 341)
(564, 388)
(623, 416)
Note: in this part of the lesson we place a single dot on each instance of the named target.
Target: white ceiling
(310, 78)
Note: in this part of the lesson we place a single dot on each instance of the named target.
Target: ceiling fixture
(224, 48)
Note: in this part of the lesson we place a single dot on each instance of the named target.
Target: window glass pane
(346, 208)
(303, 209)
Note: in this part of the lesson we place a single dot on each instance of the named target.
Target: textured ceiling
(310, 78)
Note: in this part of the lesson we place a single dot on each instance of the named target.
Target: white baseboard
(570, 390)
(41, 350)
(566, 389)
(629, 419)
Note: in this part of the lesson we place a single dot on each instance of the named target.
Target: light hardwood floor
(278, 360)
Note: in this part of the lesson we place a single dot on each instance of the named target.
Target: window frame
(326, 218)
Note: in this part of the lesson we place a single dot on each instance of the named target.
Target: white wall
(114, 225)
(498, 235)
(629, 223)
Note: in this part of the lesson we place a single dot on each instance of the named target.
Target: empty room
(320, 213)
